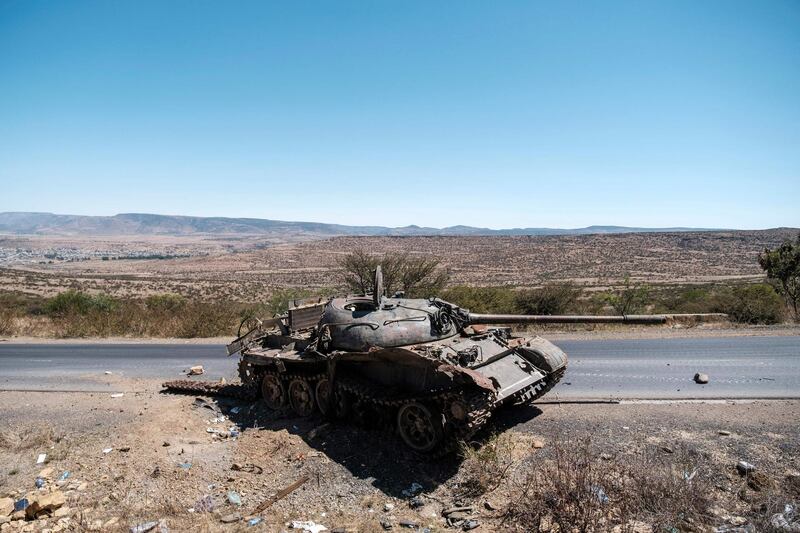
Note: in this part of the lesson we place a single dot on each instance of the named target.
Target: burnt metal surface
(424, 367)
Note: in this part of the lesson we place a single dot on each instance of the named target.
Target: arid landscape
(250, 268)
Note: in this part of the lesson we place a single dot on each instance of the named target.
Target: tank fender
(542, 353)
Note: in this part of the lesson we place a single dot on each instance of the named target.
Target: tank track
(213, 388)
(540, 388)
(479, 405)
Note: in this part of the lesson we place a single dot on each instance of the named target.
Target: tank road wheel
(418, 427)
(301, 397)
(273, 392)
(323, 391)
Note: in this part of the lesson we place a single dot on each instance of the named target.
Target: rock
(667, 449)
(416, 502)
(605, 457)
(724, 432)
(96, 525)
(18, 515)
(110, 523)
(165, 444)
(470, 524)
(387, 507)
(758, 481)
(5, 519)
(701, 378)
(409, 524)
(737, 520)
(744, 468)
(61, 512)
(386, 524)
(6, 506)
(230, 518)
(196, 370)
(46, 502)
(537, 444)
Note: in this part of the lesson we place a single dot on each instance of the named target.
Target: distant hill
(148, 224)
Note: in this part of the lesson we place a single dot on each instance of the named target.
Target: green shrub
(165, 302)
(76, 302)
(750, 304)
(552, 299)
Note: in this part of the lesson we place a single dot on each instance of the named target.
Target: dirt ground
(166, 457)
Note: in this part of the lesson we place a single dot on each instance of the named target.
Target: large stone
(701, 378)
(45, 502)
(6, 506)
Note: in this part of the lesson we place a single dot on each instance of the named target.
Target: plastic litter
(41, 458)
(599, 493)
(107, 450)
(64, 476)
(107, 372)
(235, 410)
(185, 466)
(234, 432)
(234, 498)
(743, 467)
(309, 526)
(21, 504)
(254, 521)
(119, 395)
(39, 482)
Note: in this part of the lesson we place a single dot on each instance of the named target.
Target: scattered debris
(64, 476)
(413, 490)
(247, 467)
(234, 498)
(107, 450)
(185, 466)
(489, 505)
(235, 410)
(107, 372)
(119, 395)
(744, 468)
(388, 506)
(41, 458)
(309, 526)
(39, 482)
(196, 370)
(724, 432)
(409, 524)
(416, 502)
(254, 521)
(280, 495)
(150, 526)
(470, 524)
(317, 431)
(125, 449)
(700, 378)
(537, 444)
(204, 504)
(788, 520)
(230, 518)
(599, 493)
(386, 524)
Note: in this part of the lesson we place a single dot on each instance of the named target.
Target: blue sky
(496, 114)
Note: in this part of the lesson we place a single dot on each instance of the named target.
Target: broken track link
(212, 388)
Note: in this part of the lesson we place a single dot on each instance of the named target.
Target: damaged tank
(426, 368)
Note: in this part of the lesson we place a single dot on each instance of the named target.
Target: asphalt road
(739, 367)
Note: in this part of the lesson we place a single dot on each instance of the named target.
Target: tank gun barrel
(476, 318)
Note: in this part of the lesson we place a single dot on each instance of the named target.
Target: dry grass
(567, 486)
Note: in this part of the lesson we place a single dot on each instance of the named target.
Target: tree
(416, 276)
(782, 266)
(631, 298)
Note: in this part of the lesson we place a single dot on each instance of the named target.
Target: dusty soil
(250, 269)
(163, 460)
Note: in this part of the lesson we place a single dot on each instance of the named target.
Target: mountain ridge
(40, 223)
